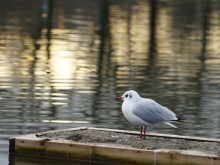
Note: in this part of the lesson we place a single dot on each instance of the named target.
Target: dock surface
(119, 146)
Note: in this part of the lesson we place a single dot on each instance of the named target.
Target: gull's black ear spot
(130, 96)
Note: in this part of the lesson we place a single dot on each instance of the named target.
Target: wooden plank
(34, 145)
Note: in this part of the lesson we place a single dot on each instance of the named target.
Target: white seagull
(145, 112)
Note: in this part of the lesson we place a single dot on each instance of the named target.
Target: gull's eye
(126, 95)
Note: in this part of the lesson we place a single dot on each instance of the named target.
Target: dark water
(63, 63)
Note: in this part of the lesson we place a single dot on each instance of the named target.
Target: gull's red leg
(145, 132)
(141, 132)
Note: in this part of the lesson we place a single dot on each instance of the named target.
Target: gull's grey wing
(152, 112)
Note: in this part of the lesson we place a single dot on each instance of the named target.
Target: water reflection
(68, 60)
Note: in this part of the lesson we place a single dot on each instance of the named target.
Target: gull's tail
(168, 123)
(182, 120)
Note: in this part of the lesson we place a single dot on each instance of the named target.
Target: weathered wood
(34, 145)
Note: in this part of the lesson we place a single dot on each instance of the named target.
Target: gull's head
(131, 96)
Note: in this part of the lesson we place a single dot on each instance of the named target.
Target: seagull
(146, 112)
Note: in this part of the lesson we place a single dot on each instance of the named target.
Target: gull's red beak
(119, 98)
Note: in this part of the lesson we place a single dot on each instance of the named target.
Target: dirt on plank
(126, 140)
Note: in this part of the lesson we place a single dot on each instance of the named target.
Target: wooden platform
(35, 144)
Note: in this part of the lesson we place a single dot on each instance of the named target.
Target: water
(64, 62)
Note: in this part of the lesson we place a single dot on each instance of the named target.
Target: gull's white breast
(127, 111)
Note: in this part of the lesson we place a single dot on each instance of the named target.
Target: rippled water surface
(63, 63)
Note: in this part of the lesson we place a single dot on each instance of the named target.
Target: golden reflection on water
(64, 67)
(75, 64)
